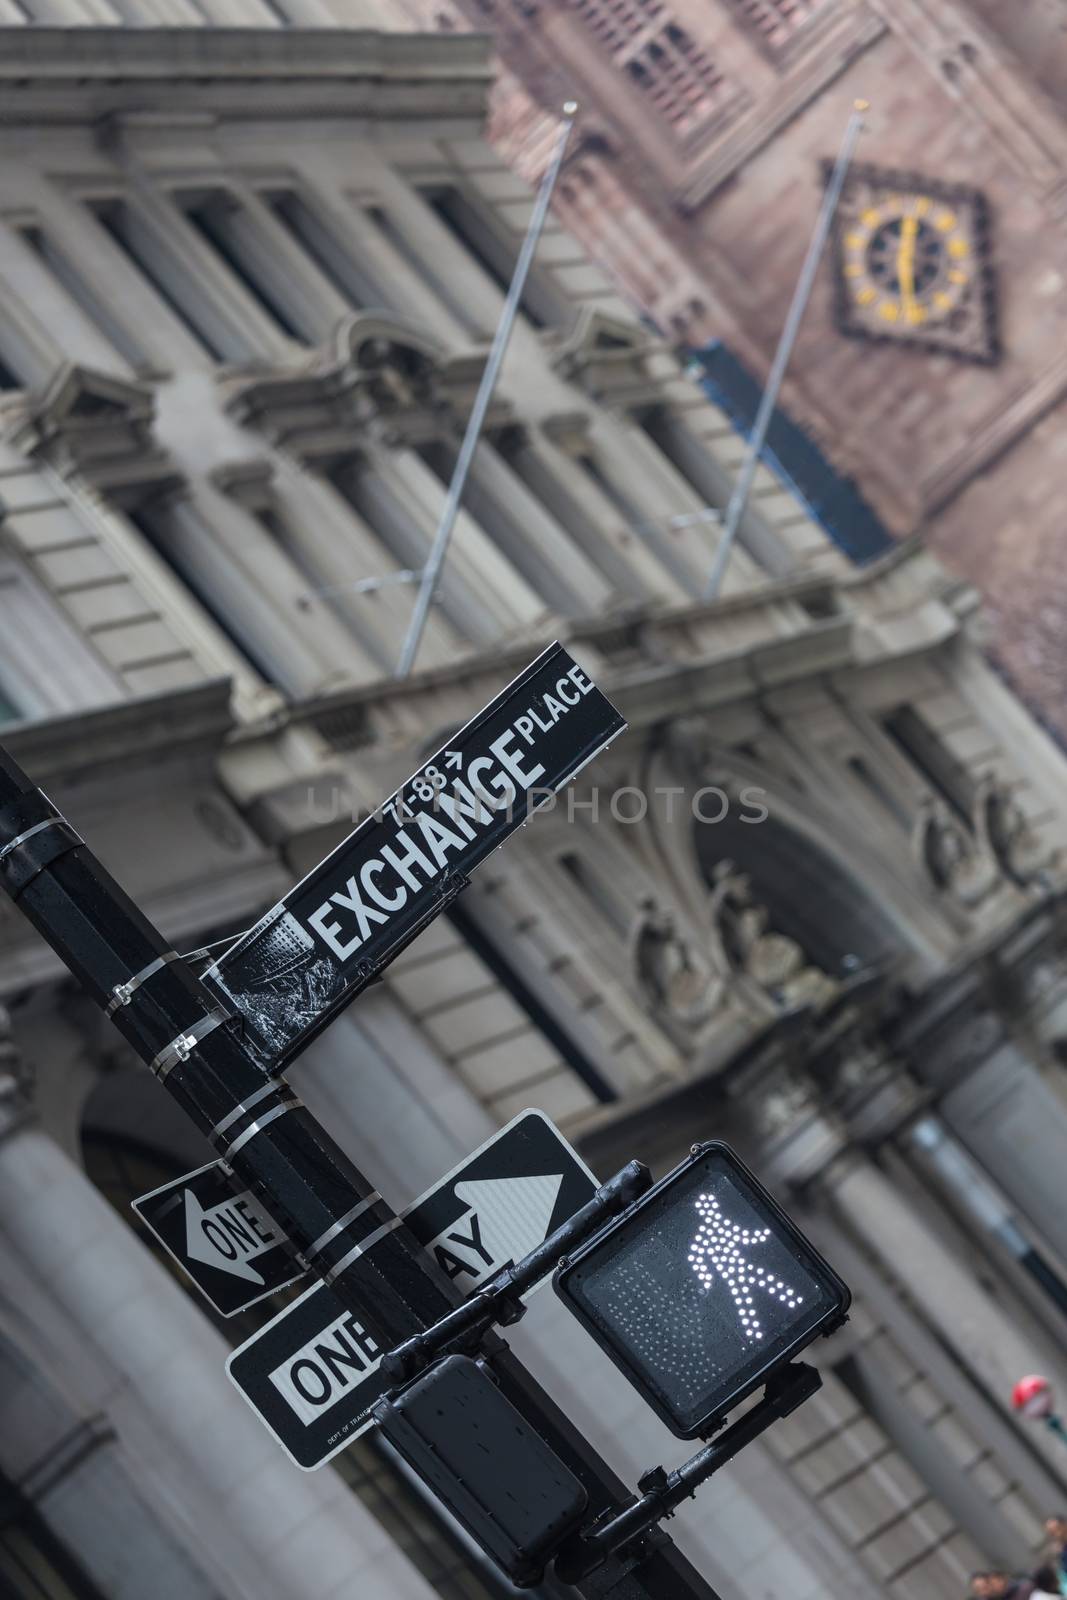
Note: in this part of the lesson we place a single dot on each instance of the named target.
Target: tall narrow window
(223, 224)
(9, 381)
(673, 72)
(156, 525)
(329, 254)
(602, 895)
(918, 743)
(495, 255)
(548, 487)
(465, 314)
(170, 277)
(886, 797)
(34, 1565)
(776, 23)
(95, 308)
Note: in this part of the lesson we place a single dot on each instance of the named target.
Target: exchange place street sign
(234, 1253)
(315, 950)
(311, 1373)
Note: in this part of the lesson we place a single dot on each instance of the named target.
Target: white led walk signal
(702, 1290)
(721, 1248)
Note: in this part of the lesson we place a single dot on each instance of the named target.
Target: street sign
(333, 933)
(701, 1290)
(311, 1372)
(234, 1252)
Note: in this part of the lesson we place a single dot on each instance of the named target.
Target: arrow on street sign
(311, 1373)
(313, 952)
(234, 1253)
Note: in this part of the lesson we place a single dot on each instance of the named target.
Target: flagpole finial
(570, 108)
(861, 105)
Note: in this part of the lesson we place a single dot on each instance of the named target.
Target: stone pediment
(379, 377)
(98, 426)
(605, 356)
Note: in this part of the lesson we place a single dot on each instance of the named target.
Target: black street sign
(234, 1252)
(311, 1373)
(316, 949)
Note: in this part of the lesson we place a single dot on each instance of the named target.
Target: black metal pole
(327, 1208)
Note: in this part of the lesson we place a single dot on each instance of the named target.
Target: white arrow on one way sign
(506, 1219)
(228, 1235)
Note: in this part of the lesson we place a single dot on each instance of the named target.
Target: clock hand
(906, 262)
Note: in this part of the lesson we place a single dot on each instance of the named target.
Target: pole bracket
(182, 1047)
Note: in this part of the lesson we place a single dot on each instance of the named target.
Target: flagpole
(802, 294)
(439, 549)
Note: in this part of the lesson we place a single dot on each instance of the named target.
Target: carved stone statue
(1004, 829)
(748, 944)
(950, 855)
(677, 983)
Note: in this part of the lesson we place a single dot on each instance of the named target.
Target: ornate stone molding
(100, 427)
(606, 357)
(378, 378)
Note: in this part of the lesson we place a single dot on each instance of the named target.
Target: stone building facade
(811, 901)
(696, 182)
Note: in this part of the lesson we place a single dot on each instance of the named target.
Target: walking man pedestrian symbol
(720, 1249)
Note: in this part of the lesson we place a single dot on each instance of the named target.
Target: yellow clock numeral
(945, 221)
(957, 275)
(943, 301)
(871, 217)
(890, 310)
(853, 269)
(866, 296)
(855, 241)
(958, 247)
(922, 205)
(915, 313)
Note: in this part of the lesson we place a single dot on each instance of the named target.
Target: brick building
(696, 183)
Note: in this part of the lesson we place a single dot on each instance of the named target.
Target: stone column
(987, 1339)
(120, 1328)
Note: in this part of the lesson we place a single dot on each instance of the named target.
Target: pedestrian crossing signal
(701, 1290)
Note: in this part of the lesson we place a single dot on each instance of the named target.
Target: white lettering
(505, 790)
(369, 872)
(561, 690)
(364, 914)
(439, 838)
(508, 759)
(328, 932)
(411, 858)
(580, 681)
(314, 1378)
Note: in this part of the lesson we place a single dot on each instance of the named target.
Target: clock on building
(912, 264)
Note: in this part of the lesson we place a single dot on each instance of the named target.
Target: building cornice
(72, 72)
(129, 733)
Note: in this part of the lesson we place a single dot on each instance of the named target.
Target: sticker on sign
(311, 1373)
(334, 932)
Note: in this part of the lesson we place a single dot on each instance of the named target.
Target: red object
(1032, 1397)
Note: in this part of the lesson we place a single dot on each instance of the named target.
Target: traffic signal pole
(329, 1211)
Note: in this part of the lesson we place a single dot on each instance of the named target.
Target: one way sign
(311, 1373)
(234, 1252)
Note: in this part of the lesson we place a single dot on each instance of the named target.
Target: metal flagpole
(806, 282)
(439, 549)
